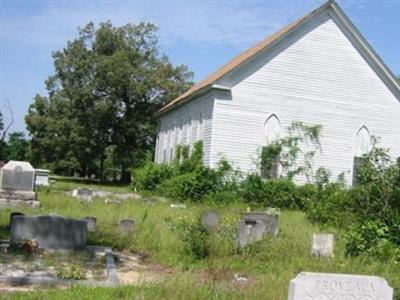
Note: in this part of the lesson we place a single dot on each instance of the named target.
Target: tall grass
(269, 264)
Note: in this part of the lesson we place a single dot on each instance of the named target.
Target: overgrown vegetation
(368, 213)
(162, 236)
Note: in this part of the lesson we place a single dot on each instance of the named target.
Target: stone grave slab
(322, 245)
(253, 226)
(82, 193)
(327, 286)
(210, 219)
(51, 232)
(42, 177)
(126, 225)
(90, 223)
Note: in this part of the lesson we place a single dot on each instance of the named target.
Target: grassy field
(269, 265)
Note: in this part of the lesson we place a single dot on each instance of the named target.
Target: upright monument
(17, 184)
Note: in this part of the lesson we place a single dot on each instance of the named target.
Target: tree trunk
(125, 176)
(101, 168)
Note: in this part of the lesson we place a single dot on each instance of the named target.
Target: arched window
(272, 129)
(363, 146)
(270, 154)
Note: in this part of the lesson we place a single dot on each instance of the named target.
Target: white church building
(317, 70)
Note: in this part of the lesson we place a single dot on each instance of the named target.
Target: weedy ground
(268, 265)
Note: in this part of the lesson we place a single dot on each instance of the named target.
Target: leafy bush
(281, 193)
(332, 205)
(72, 272)
(196, 238)
(151, 176)
(373, 238)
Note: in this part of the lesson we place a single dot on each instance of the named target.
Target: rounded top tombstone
(17, 176)
(210, 219)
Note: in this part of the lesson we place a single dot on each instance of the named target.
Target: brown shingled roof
(238, 60)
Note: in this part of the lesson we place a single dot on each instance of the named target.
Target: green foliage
(301, 137)
(280, 193)
(269, 158)
(187, 179)
(17, 146)
(72, 272)
(150, 176)
(196, 238)
(369, 212)
(107, 85)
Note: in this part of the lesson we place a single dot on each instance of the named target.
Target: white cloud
(233, 23)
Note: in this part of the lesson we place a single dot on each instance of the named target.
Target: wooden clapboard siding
(201, 108)
(315, 75)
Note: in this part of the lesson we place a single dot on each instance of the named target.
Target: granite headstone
(51, 232)
(327, 286)
(253, 226)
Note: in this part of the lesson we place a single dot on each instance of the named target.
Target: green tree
(17, 146)
(108, 83)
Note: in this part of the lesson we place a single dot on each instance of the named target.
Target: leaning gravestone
(322, 245)
(17, 183)
(51, 232)
(327, 286)
(210, 219)
(255, 225)
(90, 223)
(126, 225)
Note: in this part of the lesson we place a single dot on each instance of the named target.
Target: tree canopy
(107, 85)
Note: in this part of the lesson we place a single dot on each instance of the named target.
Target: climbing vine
(287, 150)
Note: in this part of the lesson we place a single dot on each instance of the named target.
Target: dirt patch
(132, 269)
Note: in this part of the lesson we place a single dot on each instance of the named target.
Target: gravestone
(322, 245)
(17, 181)
(82, 193)
(126, 225)
(210, 219)
(51, 232)
(12, 215)
(253, 226)
(42, 177)
(90, 223)
(321, 286)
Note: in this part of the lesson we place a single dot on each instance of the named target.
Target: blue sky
(200, 34)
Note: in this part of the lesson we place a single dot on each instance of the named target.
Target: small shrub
(151, 176)
(196, 238)
(72, 272)
(279, 193)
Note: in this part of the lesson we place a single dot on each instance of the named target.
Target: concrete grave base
(17, 195)
(47, 280)
(5, 203)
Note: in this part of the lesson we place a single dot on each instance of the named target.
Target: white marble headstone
(322, 245)
(17, 176)
(328, 286)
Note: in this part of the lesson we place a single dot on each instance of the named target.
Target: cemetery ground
(164, 268)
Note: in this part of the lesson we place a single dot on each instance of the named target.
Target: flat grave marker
(327, 286)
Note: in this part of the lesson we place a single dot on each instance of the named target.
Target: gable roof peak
(243, 57)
